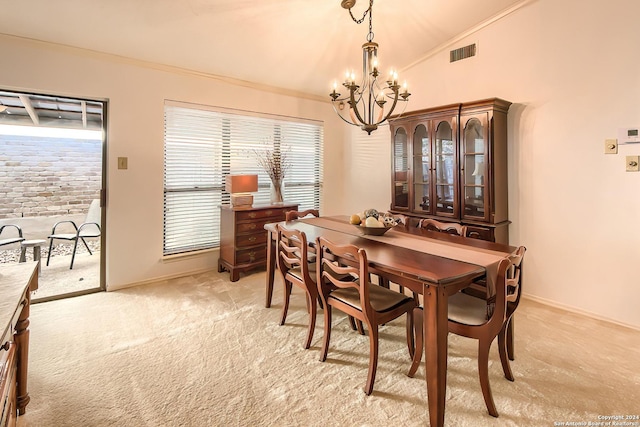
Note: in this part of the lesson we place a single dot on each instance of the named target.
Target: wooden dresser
(17, 281)
(243, 239)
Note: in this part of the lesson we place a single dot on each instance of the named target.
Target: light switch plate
(123, 162)
(632, 163)
(610, 146)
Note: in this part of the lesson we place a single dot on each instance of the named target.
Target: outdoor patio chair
(9, 240)
(89, 228)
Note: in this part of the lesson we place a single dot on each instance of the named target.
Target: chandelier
(366, 100)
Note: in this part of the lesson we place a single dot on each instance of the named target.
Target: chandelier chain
(370, 35)
(364, 15)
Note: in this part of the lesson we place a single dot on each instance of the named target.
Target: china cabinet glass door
(421, 170)
(445, 169)
(400, 170)
(475, 170)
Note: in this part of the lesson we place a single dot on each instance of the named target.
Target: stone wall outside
(48, 176)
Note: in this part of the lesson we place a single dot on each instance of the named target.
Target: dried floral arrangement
(275, 162)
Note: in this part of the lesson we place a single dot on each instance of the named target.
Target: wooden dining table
(435, 265)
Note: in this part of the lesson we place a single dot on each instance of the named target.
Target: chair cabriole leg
(313, 307)
(327, 333)
(483, 371)
(285, 305)
(373, 358)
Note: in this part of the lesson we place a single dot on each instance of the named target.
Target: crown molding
(164, 67)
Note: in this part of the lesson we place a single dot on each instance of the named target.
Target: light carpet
(202, 351)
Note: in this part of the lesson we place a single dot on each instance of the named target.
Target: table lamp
(239, 186)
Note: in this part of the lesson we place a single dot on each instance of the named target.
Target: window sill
(186, 255)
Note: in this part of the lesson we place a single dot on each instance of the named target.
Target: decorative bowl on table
(371, 222)
(374, 231)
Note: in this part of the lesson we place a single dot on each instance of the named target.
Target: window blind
(203, 145)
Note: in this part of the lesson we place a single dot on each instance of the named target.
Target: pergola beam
(32, 112)
(83, 106)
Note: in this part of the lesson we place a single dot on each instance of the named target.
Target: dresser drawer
(480, 233)
(251, 227)
(249, 256)
(245, 240)
(277, 213)
(8, 372)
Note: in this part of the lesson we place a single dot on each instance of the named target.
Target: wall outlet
(610, 146)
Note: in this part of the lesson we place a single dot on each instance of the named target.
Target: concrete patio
(56, 279)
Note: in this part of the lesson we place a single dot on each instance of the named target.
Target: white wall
(572, 70)
(136, 95)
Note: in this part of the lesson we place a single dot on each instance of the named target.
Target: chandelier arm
(340, 115)
(354, 106)
(393, 107)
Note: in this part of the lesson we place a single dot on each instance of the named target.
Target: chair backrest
(402, 219)
(292, 254)
(13, 239)
(292, 215)
(94, 212)
(514, 277)
(508, 288)
(91, 225)
(444, 227)
(351, 272)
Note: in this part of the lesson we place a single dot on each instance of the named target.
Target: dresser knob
(252, 215)
(252, 238)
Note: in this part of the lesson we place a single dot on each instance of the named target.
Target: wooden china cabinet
(450, 163)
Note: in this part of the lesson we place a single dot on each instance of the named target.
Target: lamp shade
(239, 186)
(241, 183)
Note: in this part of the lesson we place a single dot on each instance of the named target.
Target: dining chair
(479, 287)
(293, 263)
(346, 287)
(89, 228)
(293, 215)
(470, 317)
(443, 227)
(514, 291)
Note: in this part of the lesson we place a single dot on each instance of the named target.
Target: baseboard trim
(159, 279)
(576, 310)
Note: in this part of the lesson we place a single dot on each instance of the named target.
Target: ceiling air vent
(462, 53)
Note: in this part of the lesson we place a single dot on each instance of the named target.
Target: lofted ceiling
(293, 45)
